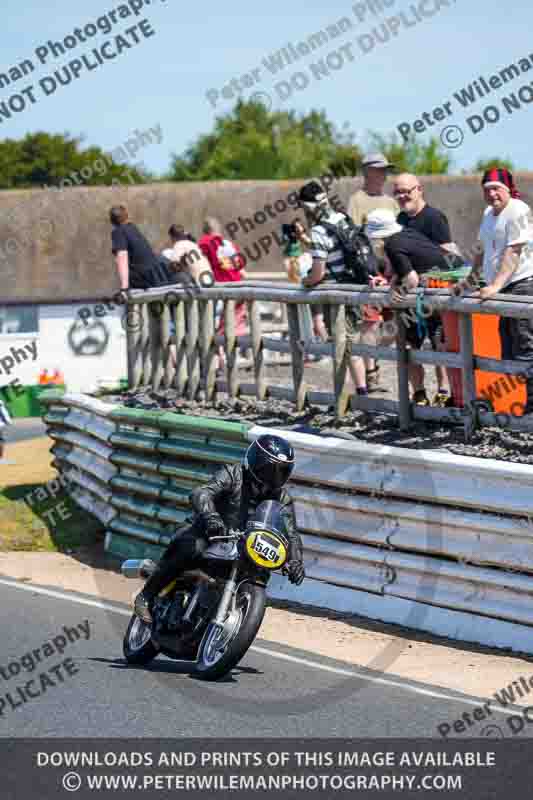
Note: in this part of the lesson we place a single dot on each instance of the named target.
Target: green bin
(26, 403)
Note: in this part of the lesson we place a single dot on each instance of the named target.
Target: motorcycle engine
(174, 617)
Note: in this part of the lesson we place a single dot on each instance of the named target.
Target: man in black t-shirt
(417, 214)
(429, 221)
(137, 265)
(409, 254)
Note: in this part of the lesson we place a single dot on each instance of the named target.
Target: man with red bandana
(505, 261)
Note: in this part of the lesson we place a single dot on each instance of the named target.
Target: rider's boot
(143, 603)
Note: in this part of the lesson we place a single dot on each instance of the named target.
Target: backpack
(360, 261)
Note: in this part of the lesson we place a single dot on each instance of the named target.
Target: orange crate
(503, 391)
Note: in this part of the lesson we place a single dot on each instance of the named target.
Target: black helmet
(268, 463)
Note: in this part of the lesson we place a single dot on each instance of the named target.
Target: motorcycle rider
(227, 501)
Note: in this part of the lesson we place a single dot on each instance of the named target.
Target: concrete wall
(56, 244)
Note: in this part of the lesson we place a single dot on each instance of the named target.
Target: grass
(23, 524)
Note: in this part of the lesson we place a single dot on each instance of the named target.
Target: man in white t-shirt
(505, 261)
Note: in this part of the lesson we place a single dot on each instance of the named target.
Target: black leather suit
(227, 496)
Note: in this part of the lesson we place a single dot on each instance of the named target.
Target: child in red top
(227, 263)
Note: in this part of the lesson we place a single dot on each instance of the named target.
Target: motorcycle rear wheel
(221, 650)
(137, 646)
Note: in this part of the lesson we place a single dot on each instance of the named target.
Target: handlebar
(231, 535)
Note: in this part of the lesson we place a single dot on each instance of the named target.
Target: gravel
(381, 429)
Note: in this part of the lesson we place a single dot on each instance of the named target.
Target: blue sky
(200, 47)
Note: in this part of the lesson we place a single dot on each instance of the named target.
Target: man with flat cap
(371, 197)
(376, 168)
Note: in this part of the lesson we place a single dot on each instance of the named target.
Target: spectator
(417, 214)
(227, 264)
(138, 266)
(328, 261)
(376, 167)
(297, 263)
(409, 254)
(433, 223)
(505, 261)
(319, 313)
(186, 254)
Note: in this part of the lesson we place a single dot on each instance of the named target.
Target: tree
(251, 143)
(413, 156)
(489, 163)
(43, 159)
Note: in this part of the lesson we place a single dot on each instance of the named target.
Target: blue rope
(421, 324)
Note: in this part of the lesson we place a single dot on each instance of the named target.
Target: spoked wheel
(138, 647)
(224, 646)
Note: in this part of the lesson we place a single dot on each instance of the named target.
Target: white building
(85, 341)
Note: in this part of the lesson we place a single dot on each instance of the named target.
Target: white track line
(398, 684)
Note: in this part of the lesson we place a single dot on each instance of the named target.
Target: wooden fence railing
(187, 362)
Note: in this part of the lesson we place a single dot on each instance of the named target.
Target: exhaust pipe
(138, 568)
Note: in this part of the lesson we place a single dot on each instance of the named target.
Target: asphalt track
(276, 691)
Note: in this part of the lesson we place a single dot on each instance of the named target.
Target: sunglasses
(401, 192)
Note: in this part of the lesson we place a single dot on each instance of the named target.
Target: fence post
(180, 378)
(297, 356)
(257, 348)
(466, 338)
(207, 347)
(156, 351)
(132, 318)
(403, 373)
(340, 358)
(230, 348)
(145, 345)
(192, 336)
(166, 346)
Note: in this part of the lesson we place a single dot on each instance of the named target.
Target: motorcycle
(208, 617)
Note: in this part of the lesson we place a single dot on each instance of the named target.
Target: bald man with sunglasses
(431, 222)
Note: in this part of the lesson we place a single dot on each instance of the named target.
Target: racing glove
(295, 571)
(214, 526)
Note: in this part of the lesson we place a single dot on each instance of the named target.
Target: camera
(289, 233)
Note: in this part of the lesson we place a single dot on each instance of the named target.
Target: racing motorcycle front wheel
(137, 646)
(222, 647)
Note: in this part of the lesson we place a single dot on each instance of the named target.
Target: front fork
(227, 597)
